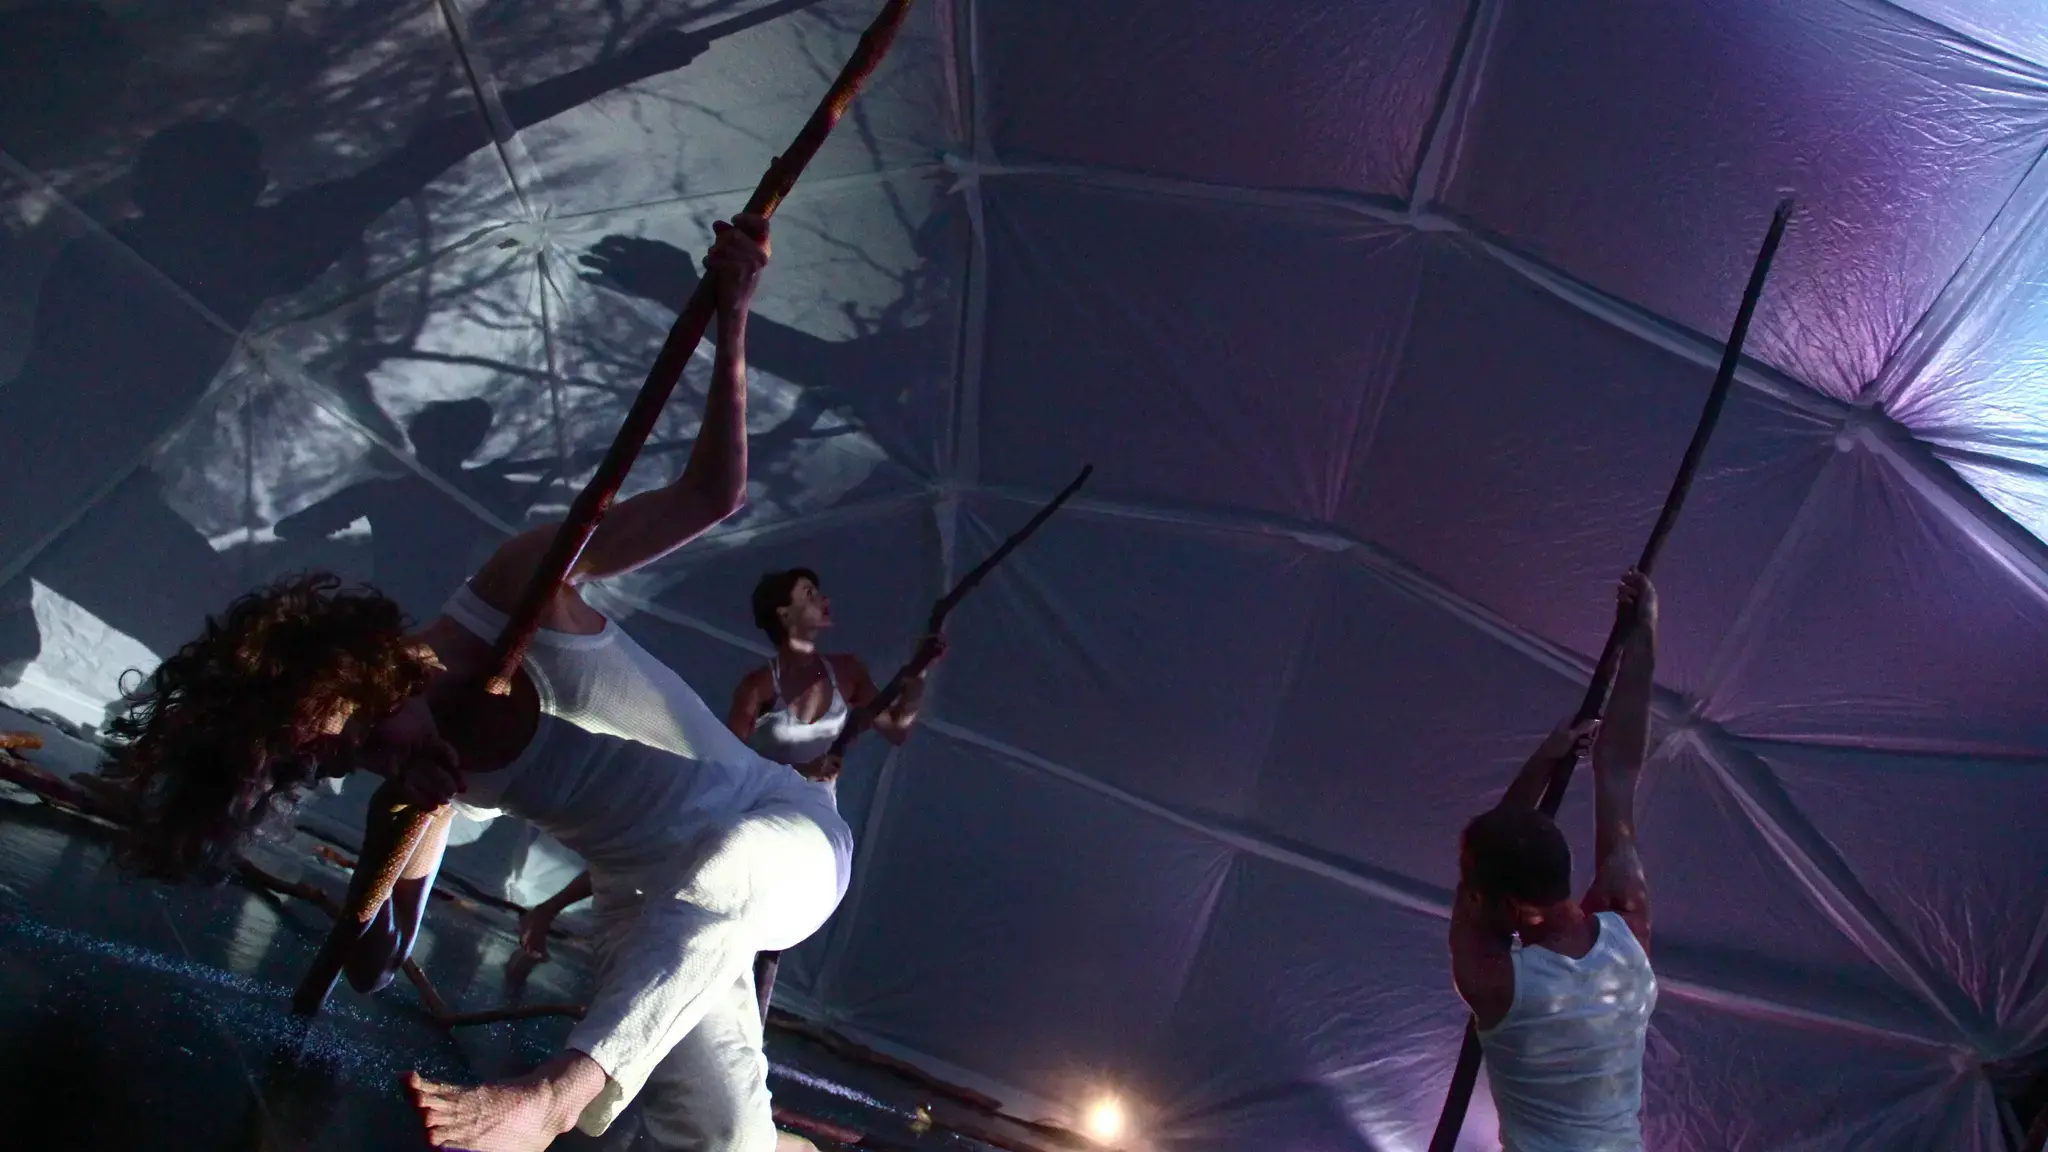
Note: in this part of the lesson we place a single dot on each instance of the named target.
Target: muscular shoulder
(1486, 981)
(503, 579)
(847, 667)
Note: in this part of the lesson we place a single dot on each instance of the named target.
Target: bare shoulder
(1627, 897)
(1482, 959)
(1486, 982)
(847, 666)
(504, 578)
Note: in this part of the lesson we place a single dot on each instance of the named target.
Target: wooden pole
(1466, 1075)
(683, 338)
(886, 696)
(407, 825)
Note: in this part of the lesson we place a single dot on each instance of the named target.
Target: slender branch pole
(1466, 1076)
(864, 716)
(767, 964)
(683, 338)
(408, 825)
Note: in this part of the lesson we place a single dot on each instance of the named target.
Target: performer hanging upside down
(698, 860)
(789, 710)
(1563, 1013)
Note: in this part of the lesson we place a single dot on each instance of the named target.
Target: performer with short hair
(1561, 991)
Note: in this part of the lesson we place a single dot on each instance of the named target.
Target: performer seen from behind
(1562, 991)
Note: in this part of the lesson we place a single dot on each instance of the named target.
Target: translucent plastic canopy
(1384, 324)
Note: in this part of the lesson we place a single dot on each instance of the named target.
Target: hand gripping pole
(1466, 1076)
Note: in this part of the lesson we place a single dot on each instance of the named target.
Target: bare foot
(523, 1115)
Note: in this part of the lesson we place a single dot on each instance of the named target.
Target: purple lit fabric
(1384, 325)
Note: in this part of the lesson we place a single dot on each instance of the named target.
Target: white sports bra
(781, 737)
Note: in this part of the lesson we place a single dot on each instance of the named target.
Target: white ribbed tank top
(605, 683)
(1566, 1062)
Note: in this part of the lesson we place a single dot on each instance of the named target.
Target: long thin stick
(1466, 1076)
(683, 338)
(409, 825)
(886, 697)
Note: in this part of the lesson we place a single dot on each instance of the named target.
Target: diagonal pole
(767, 964)
(403, 825)
(865, 716)
(1466, 1076)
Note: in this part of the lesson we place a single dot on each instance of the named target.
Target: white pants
(710, 1093)
(674, 1003)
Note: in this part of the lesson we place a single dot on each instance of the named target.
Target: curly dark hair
(218, 735)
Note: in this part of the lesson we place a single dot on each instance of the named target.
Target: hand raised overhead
(1571, 739)
(736, 258)
(1638, 600)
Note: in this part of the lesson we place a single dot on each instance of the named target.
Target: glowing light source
(1104, 1119)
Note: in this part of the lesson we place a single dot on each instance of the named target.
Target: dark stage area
(139, 1016)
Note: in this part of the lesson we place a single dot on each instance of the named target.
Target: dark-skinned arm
(1566, 743)
(749, 700)
(1619, 882)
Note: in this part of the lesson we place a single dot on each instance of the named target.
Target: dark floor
(139, 1016)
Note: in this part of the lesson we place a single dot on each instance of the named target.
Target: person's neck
(799, 648)
(1560, 929)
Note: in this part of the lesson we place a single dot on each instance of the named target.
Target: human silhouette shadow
(60, 64)
(134, 323)
(855, 374)
(421, 536)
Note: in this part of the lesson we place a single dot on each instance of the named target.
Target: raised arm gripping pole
(864, 716)
(376, 876)
(589, 509)
(1466, 1076)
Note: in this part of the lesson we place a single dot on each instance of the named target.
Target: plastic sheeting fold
(365, 286)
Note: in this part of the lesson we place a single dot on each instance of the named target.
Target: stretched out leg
(766, 881)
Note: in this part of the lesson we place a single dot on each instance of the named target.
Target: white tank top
(783, 738)
(1566, 1062)
(606, 683)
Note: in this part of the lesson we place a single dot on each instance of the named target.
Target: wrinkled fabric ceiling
(1384, 324)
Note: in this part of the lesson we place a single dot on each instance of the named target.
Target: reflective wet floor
(136, 1015)
(140, 1016)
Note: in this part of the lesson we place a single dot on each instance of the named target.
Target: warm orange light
(1105, 1119)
